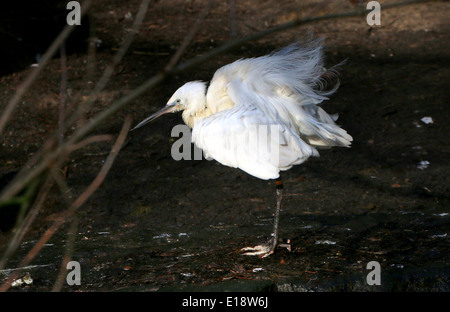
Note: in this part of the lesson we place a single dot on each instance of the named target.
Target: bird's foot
(266, 249)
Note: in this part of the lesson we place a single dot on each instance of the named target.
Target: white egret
(262, 115)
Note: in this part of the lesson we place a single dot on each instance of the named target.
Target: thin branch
(26, 175)
(152, 82)
(25, 225)
(13, 188)
(188, 38)
(60, 151)
(62, 93)
(90, 140)
(103, 81)
(71, 235)
(294, 23)
(23, 88)
(82, 198)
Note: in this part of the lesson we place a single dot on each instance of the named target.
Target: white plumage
(262, 115)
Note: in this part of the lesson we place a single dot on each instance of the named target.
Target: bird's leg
(268, 248)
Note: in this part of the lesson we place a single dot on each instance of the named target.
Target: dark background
(157, 224)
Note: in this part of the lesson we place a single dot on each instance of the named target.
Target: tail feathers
(329, 135)
(319, 114)
(320, 131)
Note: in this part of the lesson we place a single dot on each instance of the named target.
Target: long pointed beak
(166, 109)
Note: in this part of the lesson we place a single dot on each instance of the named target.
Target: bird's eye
(178, 101)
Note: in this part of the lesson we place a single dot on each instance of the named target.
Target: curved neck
(196, 110)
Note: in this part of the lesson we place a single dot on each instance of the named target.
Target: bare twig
(294, 23)
(71, 235)
(25, 175)
(188, 38)
(52, 153)
(104, 79)
(23, 228)
(62, 93)
(75, 205)
(91, 53)
(16, 185)
(90, 140)
(23, 88)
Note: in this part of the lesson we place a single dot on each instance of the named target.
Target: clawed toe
(259, 250)
(265, 250)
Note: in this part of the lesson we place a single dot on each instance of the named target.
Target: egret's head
(191, 96)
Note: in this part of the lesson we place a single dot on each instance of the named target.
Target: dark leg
(276, 219)
(268, 248)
